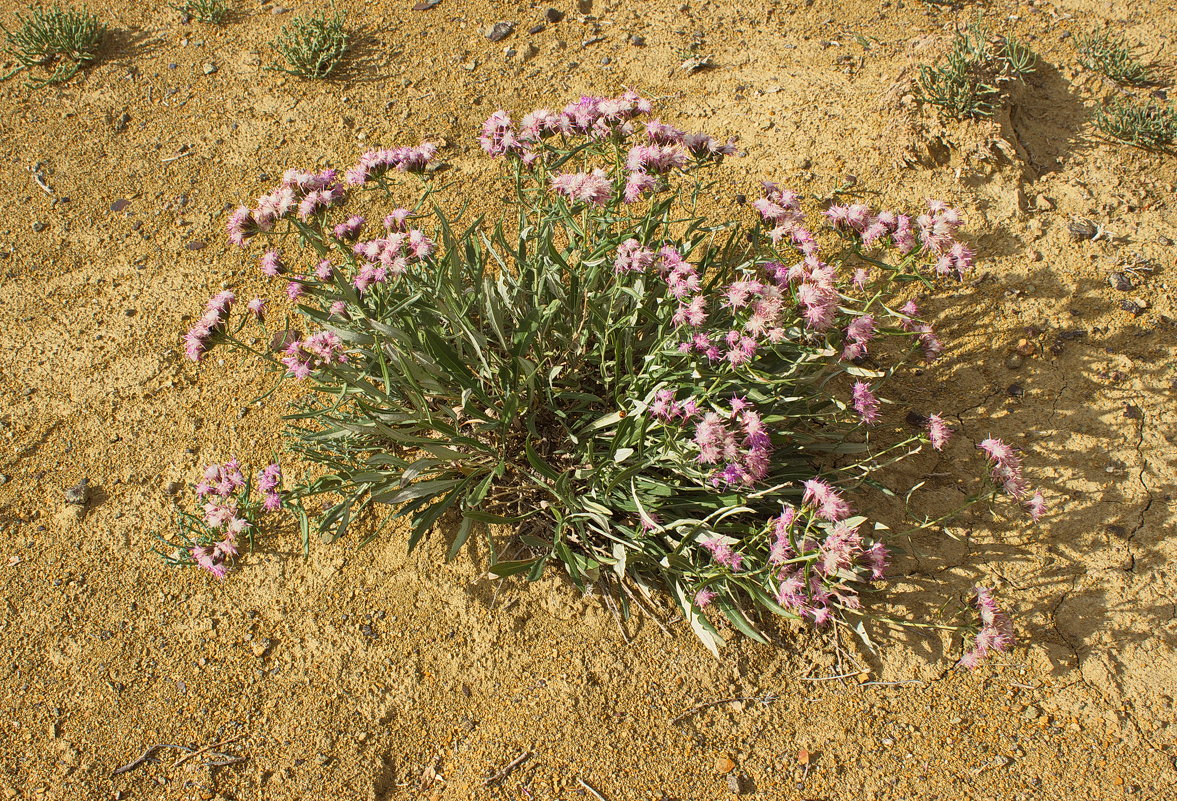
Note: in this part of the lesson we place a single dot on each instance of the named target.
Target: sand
(370, 673)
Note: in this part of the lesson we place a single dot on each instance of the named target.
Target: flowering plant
(642, 394)
(230, 514)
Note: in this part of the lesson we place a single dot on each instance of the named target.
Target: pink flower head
(826, 500)
(876, 558)
(294, 289)
(938, 431)
(632, 256)
(1036, 506)
(703, 598)
(242, 226)
(997, 630)
(663, 134)
(396, 221)
(724, 554)
(498, 135)
(593, 187)
(338, 309)
(839, 549)
(319, 350)
(271, 263)
(350, 229)
(257, 307)
(865, 402)
(208, 559)
(324, 270)
(639, 184)
(655, 158)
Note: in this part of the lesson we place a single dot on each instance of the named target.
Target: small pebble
(725, 764)
(210, 68)
(553, 15)
(637, 41)
(1014, 361)
(79, 494)
(500, 31)
(39, 226)
(3, 479)
(1016, 390)
(534, 29)
(735, 783)
(1121, 282)
(276, 10)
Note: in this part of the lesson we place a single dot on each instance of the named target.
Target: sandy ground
(375, 674)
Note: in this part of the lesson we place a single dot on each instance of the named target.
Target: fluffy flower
(997, 630)
(865, 402)
(826, 500)
(938, 431)
(593, 187)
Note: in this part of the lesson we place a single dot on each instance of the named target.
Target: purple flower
(1006, 467)
(638, 184)
(319, 350)
(1036, 506)
(997, 630)
(593, 187)
(632, 256)
(826, 500)
(654, 158)
(724, 554)
(704, 597)
(350, 229)
(271, 263)
(938, 431)
(257, 307)
(865, 402)
(876, 558)
(324, 270)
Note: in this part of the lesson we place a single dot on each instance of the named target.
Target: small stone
(637, 41)
(120, 124)
(735, 783)
(39, 226)
(1132, 307)
(196, 244)
(725, 765)
(1014, 361)
(425, 5)
(500, 31)
(276, 10)
(605, 61)
(259, 648)
(1024, 347)
(1164, 240)
(79, 494)
(553, 15)
(534, 29)
(1031, 712)
(173, 487)
(1016, 390)
(1043, 203)
(120, 204)
(1121, 282)
(210, 68)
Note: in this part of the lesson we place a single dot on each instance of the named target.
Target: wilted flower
(997, 630)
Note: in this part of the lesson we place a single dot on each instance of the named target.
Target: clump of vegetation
(1148, 125)
(62, 40)
(210, 12)
(975, 78)
(312, 47)
(604, 379)
(1110, 55)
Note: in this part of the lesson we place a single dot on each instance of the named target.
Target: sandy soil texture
(376, 674)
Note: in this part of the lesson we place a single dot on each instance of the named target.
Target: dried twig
(150, 752)
(590, 788)
(176, 157)
(765, 699)
(39, 177)
(832, 678)
(506, 769)
(181, 760)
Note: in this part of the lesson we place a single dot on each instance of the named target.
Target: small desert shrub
(1148, 125)
(64, 40)
(312, 47)
(1110, 55)
(605, 379)
(975, 76)
(210, 12)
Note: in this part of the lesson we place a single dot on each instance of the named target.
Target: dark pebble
(425, 5)
(553, 15)
(1121, 282)
(196, 244)
(500, 31)
(1133, 412)
(1164, 240)
(281, 340)
(637, 41)
(534, 29)
(39, 226)
(1132, 307)
(1016, 390)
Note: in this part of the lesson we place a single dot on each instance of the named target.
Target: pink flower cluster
(221, 514)
(860, 331)
(724, 554)
(215, 315)
(269, 478)
(598, 117)
(1006, 469)
(938, 431)
(319, 350)
(997, 630)
(924, 333)
(865, 402)
(593, 188)
(376, 163)
(304, 193)
(390, 256)
(745, 447)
